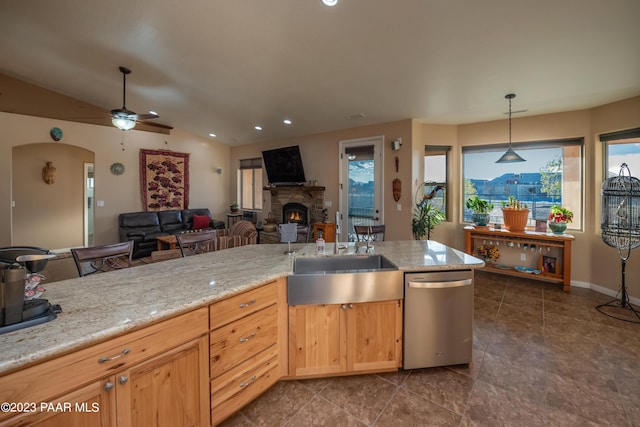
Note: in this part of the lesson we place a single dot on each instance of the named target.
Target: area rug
(164, 178)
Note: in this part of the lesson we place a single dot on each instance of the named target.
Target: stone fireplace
(312, 198)
(304, 203)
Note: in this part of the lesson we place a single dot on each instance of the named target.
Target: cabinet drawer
(240, 340)
(47, 380)
(237, 387)
(238, 306)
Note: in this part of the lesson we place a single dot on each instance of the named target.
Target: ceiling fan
(125, 119)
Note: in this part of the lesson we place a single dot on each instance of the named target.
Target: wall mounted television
(284, 166)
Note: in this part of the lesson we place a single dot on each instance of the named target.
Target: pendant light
(510, 156)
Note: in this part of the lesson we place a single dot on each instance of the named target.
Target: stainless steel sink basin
(343, 279)
(342, 264)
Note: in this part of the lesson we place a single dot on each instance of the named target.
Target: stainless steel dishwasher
(438, 318)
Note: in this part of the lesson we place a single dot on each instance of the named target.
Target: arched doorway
(51, 216)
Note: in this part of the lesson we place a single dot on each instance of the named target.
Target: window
(250, 183)
(551, 175)
(621, 147)
(436, 159)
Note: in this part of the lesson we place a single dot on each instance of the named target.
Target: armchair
(240, 234)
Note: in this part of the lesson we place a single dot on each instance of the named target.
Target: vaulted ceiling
(213, 66)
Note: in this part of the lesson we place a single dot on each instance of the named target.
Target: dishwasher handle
(440, 284)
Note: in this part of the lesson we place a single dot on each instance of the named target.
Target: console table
(550, 252)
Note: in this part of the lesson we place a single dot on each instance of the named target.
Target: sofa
(144, 227)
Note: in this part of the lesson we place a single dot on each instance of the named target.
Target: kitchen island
(102, 308)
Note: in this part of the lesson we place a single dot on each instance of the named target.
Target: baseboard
(602, 290)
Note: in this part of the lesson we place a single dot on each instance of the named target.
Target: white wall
(119, 193)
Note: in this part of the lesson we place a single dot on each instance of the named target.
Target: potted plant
(234, 207)
(425, 219)
(481, 210)
(558, 219)
(515, 214)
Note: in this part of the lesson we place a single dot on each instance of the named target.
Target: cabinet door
(375, 336)
(91, 405)
(317, 340)
(169, 390)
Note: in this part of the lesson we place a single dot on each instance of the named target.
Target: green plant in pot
(481, 210)
(425, 219)
(234, 207)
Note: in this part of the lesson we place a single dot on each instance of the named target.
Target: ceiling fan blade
(157, 125)
(147, 116)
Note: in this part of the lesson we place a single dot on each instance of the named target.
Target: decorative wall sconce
(49, 173)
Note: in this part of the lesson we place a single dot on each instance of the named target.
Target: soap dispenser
(320, 243)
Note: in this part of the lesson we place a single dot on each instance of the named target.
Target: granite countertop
(107, 305)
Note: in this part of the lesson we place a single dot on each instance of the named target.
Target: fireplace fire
(295, 212)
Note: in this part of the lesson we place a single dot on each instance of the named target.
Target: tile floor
(541, 357)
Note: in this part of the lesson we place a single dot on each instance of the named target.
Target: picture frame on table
(541, 225)
(550, 266)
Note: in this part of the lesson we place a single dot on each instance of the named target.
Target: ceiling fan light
(510, 156)
(123, 124)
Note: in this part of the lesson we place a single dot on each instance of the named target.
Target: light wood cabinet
(246, 347)
(90, 405)
(168, 390)
(141, 378)
(336, 339)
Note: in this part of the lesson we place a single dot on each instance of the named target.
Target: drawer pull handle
(251, 380)
(245, 339)
(108, 386)
(247, 304)
(109, 359)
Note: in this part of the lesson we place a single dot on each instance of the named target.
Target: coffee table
(167, 242)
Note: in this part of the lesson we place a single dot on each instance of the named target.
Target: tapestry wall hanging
(164, 176)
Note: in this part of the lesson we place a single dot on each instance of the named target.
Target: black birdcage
(620, 227)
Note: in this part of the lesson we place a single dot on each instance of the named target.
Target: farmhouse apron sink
(344, 279)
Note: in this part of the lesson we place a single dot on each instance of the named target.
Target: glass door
(361, 183)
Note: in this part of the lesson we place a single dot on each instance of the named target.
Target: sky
(624, 153)
(483, 165)
(361, 170)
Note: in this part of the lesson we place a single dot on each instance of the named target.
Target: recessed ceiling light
(287, 121)
(330, 3)
(212, 135)
(257, 127)
(153, 112)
